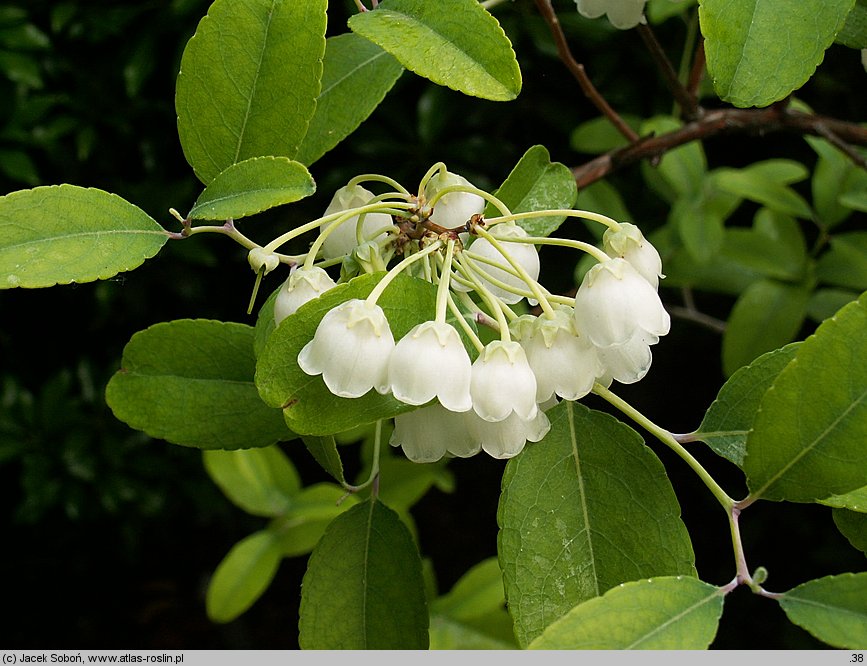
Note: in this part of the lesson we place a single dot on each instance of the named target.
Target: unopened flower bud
(342, 240)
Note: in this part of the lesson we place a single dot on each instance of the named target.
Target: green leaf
(562, 510)
(754, 186)
(700, 221)
(749, 61)
(63, 233)
(855, 500)
(599, 135)
(856, 200)
(308, 406)
(312, 510)
(454, 43)
(604, 199)
(833, 175)
(251, 186)
(845, 264)
(854, 31)
(666, 613)
(536, 183)
(751, 249)
(473, 614)
(833, 609)
(729, 418)
(356, 77)
(853, 526)
(324, 451)
(190, 382)
(803, 448)
(767, 315)
(260, 481)
(243, 575)
(363, 589)
(248, 82)
(825, 302)
(683, 169)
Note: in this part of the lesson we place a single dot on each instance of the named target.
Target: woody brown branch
(844, 135)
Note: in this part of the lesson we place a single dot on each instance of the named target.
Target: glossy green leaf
(260, 481)
(833, 609)
(479, 591)
(749, 62)
(60, 234)
(248, 82)
(243, 575)
(854, 31)
(666, 613)
(767, 315)
(761, 189)
(853, 526)
(536, 183)
(787, 239)
(802, 448)
(311, 511)
(190, 382)
(729, 418)
(485, 633)
(845, 264)
(357, 75)
(264, 323)
(251, 186)
(454, 43)
(856, 199)
(308, 406)
(562, 510)
(363, 589)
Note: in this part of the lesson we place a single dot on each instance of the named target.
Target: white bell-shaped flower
(506, 438)
(614, 304)
(565, 363)
(629, 243)
(350, 349)
(455, 208)
(429, 433)
(342, 240)
(431, 362)
(623, 14)
(303, 285)
(502, 382)
(524, 254)
(627, 363)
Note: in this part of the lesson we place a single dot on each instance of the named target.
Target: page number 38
(857, 658)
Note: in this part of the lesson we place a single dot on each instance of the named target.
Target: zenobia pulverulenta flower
(302, 285)
(502, 382)
(342, 239)
(452, 209)
(350, 349)
(524, 254)
(431, 362)
(627, 242)
(565, 362)
(429, 433)
(614, 303)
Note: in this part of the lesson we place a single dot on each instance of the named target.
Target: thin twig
(577, 69)
(774, 118)
(697, 71)
(682, 96)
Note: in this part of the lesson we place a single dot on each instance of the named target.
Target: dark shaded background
(109, 537)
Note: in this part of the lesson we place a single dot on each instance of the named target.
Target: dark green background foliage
(110, 537)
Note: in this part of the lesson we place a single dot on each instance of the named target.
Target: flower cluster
(471, 396)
